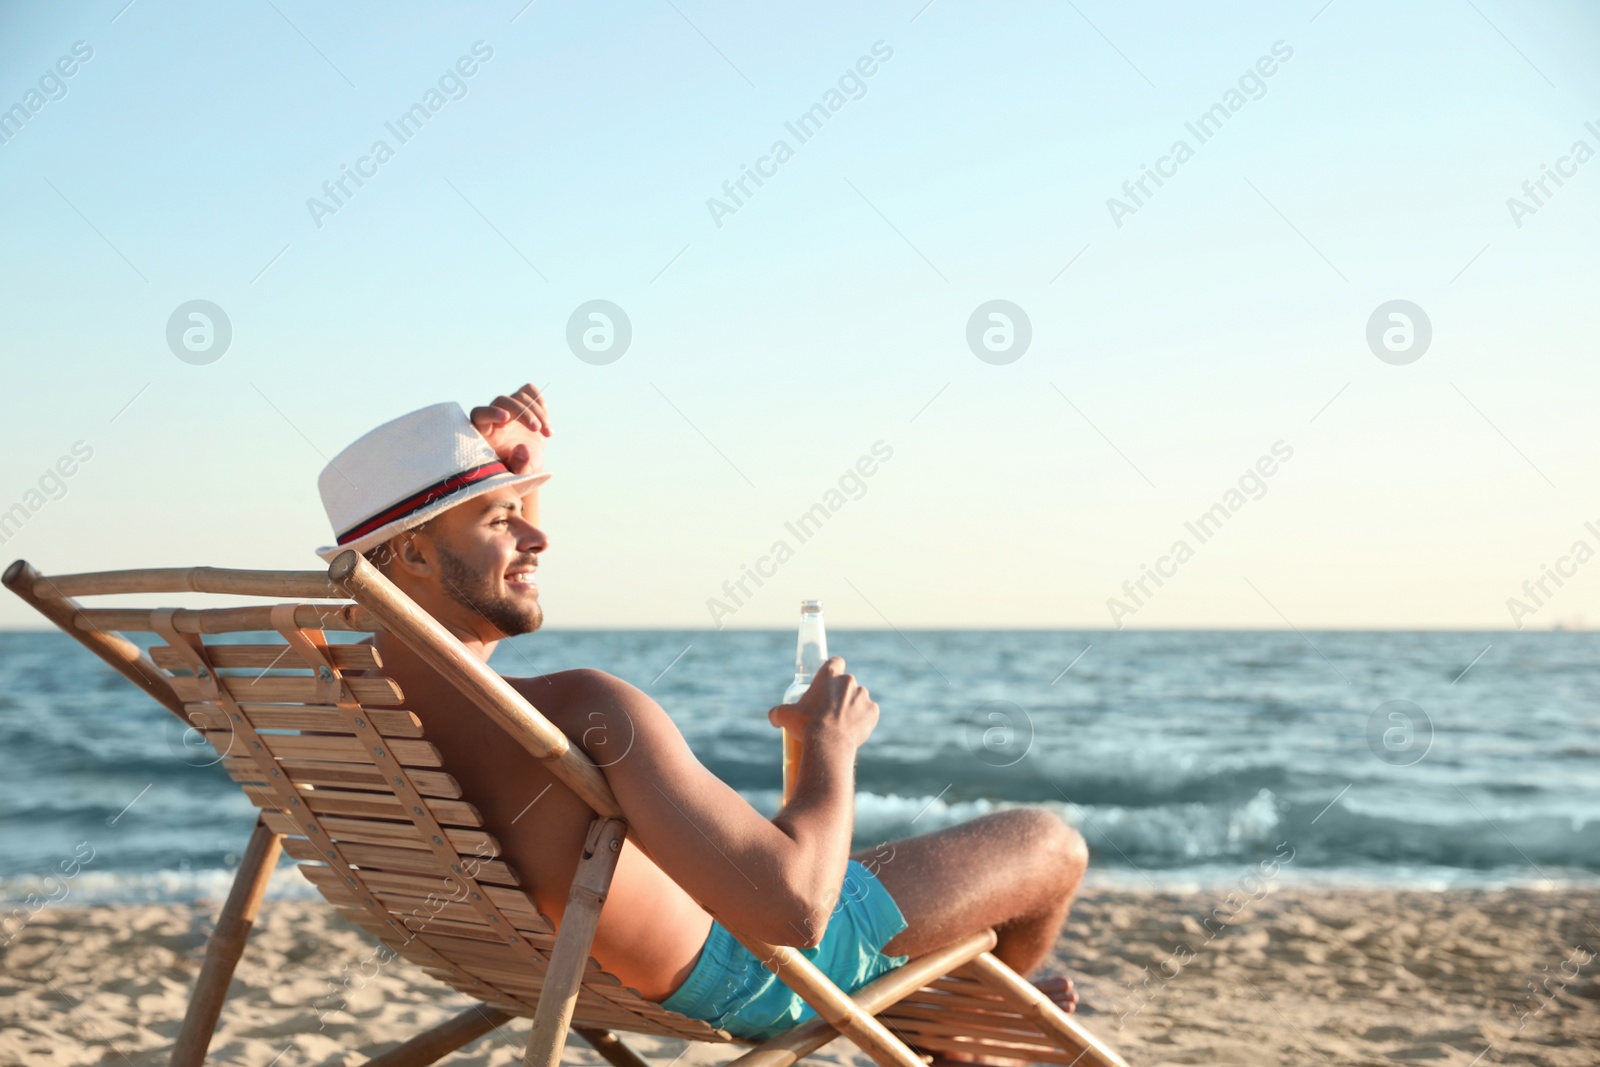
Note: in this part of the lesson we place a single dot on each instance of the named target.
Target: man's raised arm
(516, 425)
(777, 879)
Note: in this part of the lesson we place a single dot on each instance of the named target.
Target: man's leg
(1016, 871)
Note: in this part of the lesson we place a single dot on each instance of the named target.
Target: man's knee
(1052, 835)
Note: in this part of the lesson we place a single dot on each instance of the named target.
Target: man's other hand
(835, 704)
(515, 427)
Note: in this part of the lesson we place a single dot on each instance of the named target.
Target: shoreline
(1297, 976)
(210, 885)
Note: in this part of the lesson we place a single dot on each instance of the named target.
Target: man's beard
(474, 590)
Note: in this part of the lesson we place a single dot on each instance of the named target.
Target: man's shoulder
(570, 684)
(574, 694)
(606, 715)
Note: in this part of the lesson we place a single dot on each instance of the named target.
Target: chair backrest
(343, 772)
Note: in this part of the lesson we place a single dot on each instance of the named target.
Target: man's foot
(1062, 993)
(1059, 988)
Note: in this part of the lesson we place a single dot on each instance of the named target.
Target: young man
(446, 505)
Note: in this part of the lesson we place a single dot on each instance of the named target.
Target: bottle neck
(811, 651)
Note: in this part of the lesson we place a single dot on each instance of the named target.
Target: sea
(1430, 760)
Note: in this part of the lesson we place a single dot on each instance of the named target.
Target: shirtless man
(470, 560)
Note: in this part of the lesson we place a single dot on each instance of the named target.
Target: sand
(1299, 977)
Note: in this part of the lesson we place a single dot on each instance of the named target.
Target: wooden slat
(500, 964)
(433, 927)
(513, 958)
(343, 775)
(398, 834)
(445, 976)
(382, 832)
(425, 952)
(512, 902)
(684, 1032)
(503, 898)
(519, 979)
(276, 689)
(405, 907)
(416, 953)
(381, 805)
(958, 1007)
(666, 1024)
(677, 1026)
(919, 1006)
(351, 617)
(1030, 1053)
(362, 917)
(526, 923)
(967, 988)
(910, 1020)
(441, 974)
(947, 1001)
(402, 860)
(270, 657)
(291, 585)
(520, 1010)
(591, 1008)
(315, 718)
(588, 1014)
(629, 1000)
(413, 951)
(333, 749)
(635, 1007)
(519, 910)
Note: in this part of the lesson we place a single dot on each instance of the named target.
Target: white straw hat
(407, 471)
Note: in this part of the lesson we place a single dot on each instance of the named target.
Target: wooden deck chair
(348, 786)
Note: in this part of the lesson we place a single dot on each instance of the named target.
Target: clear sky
(1357, 153)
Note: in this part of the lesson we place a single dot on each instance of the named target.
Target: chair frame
(987, 985)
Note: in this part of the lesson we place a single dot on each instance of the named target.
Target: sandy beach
(1299, 977)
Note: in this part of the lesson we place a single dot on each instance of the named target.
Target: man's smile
(520, 578)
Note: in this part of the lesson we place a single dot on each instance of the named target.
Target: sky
(1227, 342)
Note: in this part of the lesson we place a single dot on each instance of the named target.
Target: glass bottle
(811, 652)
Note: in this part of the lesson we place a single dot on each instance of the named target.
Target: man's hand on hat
(515, 427)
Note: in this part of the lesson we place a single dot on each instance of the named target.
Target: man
(447, 508)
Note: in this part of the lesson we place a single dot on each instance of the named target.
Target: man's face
(483, 554)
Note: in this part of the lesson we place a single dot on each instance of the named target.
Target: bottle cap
(810, 605)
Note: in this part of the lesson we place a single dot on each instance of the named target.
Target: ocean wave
(1173, 836)
(1125, 780)
(211, 885)
(1170, 835)
(144, 887)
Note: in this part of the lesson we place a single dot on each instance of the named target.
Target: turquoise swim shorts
(729, 988)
